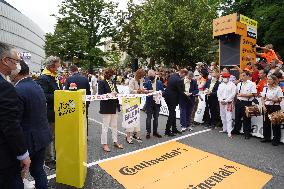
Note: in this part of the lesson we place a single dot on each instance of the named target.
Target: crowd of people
(28, 118)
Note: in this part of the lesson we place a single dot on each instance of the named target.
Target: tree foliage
(168, 31)
(81, 27)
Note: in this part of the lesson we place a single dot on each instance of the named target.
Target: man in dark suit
(187, 100)
(212, 103)
(12, 142)
(172, 94)
(153, 104)
(49, 83)
(81, 82)
(33, 120)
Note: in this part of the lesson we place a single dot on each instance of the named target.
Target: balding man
(12, 145)
(153, 103)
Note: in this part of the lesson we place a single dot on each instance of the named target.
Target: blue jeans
(36, 171)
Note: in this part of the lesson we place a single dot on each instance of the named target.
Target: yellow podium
(70, 137)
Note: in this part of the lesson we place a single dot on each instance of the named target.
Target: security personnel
(246, 90)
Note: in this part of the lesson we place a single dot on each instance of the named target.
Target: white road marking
(136, 151)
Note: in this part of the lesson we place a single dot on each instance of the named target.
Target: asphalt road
(252, 153)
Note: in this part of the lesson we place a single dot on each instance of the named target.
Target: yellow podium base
(70, 137)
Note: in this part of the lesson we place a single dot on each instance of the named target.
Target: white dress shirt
(271, 93)
(247, 87)
(226, 92)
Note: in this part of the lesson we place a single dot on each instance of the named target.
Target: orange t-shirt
(269, 56)
(261, 84)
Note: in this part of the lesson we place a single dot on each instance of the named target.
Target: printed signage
(192, 168)
(248, 21)
(224, 25)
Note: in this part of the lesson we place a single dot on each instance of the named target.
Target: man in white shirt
(226, 93)
(246, 90)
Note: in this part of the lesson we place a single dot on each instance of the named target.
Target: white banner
(256, 122)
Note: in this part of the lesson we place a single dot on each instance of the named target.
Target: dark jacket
(193, 89)
(148, 86)
(173, 90)
(81, 82)
(215, 88)
(107, 106)
(49, 85)
(33, 117)
(12, 142)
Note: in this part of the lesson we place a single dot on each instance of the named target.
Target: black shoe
(157, 135)
(247, 137)
(177, 132)
(265, 140)
(148, 136)
(234, 132)
(275, 143)
(170, 134)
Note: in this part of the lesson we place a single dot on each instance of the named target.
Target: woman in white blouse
(271, 97)
(136, 87)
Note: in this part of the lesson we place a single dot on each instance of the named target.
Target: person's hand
(240, 95)
(25, 164)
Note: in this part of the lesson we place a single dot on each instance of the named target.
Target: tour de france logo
(66, 108)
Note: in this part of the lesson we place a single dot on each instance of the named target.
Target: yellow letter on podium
(70, 137)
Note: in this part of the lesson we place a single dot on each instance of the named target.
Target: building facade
(19, 31)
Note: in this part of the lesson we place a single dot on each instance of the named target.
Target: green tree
(128, 32)
(169, 31)
(82, 25)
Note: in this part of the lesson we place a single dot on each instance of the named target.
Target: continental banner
(246, 49)
(130, 112)
(178, 166)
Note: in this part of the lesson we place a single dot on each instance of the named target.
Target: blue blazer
(81, 82)
(12, 140)
(173, 90)
(148, 86)
(32, 115)
(193, 89)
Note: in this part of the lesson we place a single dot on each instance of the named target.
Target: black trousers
(152, 110)
(267, 124)
(214, 110)
(7, 177)
(239, 114)
(171, 123)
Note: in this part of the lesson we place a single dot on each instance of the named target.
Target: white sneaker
(222, 131)
(230, 135)
(183, 129)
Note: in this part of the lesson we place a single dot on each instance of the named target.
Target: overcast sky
(40, 10)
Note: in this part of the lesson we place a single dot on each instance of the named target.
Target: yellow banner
(178, 166)
(130, 112)
(224, 25)
(247, 51)
(248, 21)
